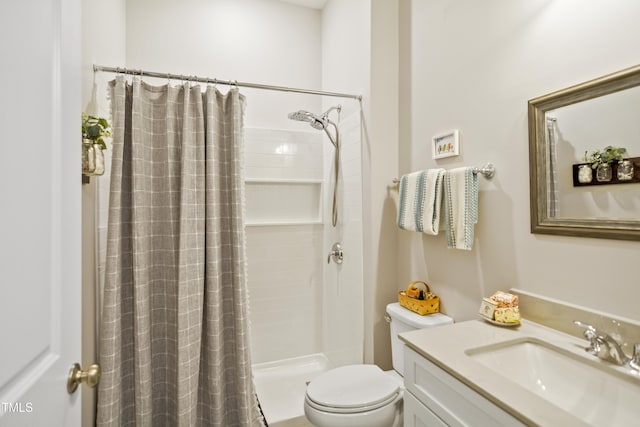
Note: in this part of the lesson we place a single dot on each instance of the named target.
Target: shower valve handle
(336, 253)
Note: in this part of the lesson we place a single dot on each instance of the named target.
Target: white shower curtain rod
(170, 76)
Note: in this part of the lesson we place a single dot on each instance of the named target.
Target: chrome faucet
(607, 348)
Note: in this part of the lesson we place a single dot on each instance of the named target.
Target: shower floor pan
(281, 387)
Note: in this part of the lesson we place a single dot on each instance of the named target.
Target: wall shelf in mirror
(635, 177)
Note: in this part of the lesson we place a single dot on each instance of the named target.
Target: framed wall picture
(446, 144)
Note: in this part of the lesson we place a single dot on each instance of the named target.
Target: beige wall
(382, 126)
(102, 43)
(360, 55)
(472, 66)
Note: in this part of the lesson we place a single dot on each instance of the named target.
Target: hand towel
(420, 200)
(461, 207)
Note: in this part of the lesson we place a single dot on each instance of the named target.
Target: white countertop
(446, 345)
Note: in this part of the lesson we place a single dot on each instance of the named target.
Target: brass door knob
(90, 377)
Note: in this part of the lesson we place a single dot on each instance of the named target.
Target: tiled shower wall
(343, 294)
(300, 304)
(283, 170)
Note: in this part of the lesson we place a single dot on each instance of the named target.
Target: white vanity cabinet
(435, 398)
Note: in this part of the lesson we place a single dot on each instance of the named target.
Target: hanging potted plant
(601, 161)
(94, 131)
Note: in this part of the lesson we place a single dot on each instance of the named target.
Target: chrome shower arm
(335, 107)
(333, 139)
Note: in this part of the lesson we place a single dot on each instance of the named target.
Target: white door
(40, 211)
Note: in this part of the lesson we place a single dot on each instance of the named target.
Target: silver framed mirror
(560, 208)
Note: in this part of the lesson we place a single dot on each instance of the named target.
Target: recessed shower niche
(283, 176)
(283, 201)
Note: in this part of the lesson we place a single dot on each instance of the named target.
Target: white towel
(420, 200)
(461, 207)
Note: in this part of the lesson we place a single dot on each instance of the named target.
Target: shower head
(319, 122)
(304, 116)
(316, 122)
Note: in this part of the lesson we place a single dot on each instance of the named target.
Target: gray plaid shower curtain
(174, 339)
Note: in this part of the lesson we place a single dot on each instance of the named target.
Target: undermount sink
(589, 389)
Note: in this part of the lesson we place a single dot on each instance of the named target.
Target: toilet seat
(354, 410)
(352, 389)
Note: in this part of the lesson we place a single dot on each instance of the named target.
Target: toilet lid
(353, 386)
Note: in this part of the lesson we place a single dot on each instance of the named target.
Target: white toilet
(365, 395)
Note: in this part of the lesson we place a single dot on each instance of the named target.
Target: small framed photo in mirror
(446, 144)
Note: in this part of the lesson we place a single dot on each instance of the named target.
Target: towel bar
(488, 171)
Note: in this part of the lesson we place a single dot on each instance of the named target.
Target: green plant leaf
(95, 129)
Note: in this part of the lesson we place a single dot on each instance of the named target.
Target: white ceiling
(312, 4)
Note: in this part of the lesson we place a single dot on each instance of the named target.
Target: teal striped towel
(420, 200)
(461, 207)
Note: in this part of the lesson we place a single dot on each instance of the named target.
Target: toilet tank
(403, 320)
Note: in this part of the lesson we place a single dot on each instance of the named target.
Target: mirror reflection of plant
(95, 129)
(607, 155)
